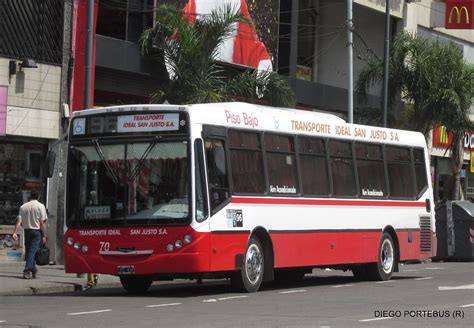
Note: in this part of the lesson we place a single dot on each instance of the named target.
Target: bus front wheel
(135, 284)
(250, 277)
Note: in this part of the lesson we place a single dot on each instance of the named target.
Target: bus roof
(274, 119)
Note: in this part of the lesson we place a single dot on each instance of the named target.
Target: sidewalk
(50, 279)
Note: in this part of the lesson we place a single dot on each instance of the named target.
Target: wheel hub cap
(386, 256)
(253, 263)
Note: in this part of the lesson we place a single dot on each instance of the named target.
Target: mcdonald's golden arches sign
(443, 139)
(459, 14)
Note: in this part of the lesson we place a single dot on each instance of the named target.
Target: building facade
(428, 19)
(30, 84)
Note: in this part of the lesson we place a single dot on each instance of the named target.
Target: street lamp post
(386, 60)
(89, 46)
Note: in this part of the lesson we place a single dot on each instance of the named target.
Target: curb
(29, 291)
(105, 285)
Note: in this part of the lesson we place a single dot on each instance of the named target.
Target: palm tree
(435, 81)
(189, 51)
(451, 94)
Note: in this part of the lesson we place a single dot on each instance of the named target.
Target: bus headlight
(178, 244)
(69, 241)
(169, 247)
(77, 245)
(188, 239)
(84, 248)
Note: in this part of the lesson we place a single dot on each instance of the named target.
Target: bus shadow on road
(309, 281)
(186, 288)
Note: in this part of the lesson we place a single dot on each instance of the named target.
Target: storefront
(441, 164)
(21, 171)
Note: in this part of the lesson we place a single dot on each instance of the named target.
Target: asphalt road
(421, 295)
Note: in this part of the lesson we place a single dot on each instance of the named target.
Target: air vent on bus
(425, 234)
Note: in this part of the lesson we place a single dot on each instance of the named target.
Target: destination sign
(128, 124)
(148, 122)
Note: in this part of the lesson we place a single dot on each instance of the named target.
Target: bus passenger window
(400, 178)
(246, 160)
(314, 170)
(342, 168)
(281, 164)
(217, 172)
(370, 170)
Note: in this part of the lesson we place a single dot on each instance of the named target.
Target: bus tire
(134, 284)
(386, 263)
(250, 277)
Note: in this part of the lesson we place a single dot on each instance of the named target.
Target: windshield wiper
(141, 162)
(98, 149)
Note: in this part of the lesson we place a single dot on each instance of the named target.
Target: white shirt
(31, 213)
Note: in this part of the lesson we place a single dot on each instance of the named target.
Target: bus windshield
(131, 183)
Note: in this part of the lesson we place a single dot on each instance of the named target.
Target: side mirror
(219, 160)
(49, 164)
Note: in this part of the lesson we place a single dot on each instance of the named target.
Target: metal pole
(450, 237)
(386, 60)
(294, 40)
(58, 184)
(350, 86)
(88, 66)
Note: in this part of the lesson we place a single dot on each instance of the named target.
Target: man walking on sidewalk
(32, 217)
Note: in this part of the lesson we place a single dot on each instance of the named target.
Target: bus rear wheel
(383, 269)
(135, 284)
(250, 277)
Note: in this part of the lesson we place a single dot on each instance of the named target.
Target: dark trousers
(32, 244)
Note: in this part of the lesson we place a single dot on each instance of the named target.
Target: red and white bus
(242, 191)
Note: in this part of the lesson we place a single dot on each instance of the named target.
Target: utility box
(455, 230)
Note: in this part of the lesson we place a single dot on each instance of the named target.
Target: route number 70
(104, 246)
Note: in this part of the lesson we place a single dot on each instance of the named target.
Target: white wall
(369, 21)
(426, 19)
(33, 100)
(430, 14)
(332, 53)
(396, 6)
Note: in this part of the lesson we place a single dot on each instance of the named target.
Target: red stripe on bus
(327, 202)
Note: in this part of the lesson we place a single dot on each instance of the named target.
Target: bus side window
(217, 172)
(420, 171)
(400, 178)
(344, 182)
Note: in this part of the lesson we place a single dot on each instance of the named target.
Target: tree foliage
(436, 82)
(189, 51)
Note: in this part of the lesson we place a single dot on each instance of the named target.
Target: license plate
(125, 269)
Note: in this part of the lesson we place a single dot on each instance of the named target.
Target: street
(432, 294)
